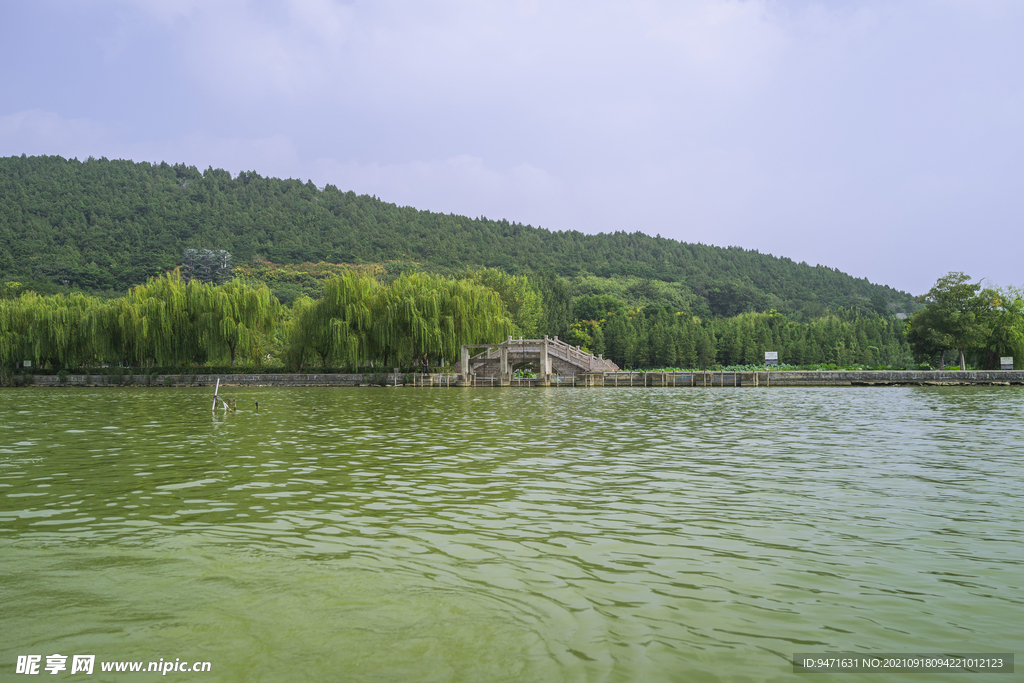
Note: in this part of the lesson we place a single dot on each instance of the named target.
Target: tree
(206, 265)
(596, 306)
(1007, 338)
(422, 313)
(298, 327)
(557, 306)
(234, 317)
(957, 315)
(360, 319)
(158, 320)
(522, 300)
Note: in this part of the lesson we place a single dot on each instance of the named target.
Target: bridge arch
(550, 355)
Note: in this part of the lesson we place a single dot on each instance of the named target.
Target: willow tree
(234, 317)
(423, 313)
(341, 324)
(14, 326)
(158, 321)
(59, 330)
(297, 327)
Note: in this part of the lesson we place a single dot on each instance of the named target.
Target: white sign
(27, 363)
(1006, 363)
(771, 357)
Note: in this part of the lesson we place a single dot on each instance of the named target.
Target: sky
(884, 138)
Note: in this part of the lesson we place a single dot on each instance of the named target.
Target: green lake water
(485, 535)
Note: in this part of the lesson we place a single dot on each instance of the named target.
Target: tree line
(978, 325)
(362, 320)
(174, 323)
(166, 322)
(660, 338)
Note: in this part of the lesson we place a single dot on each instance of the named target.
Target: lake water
(484, 535)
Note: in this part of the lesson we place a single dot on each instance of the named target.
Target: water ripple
(593, 534)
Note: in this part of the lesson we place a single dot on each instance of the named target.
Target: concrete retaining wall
(805, 378)
(782, 378)
(187, 380)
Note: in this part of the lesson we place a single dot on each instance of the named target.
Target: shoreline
(718, 378)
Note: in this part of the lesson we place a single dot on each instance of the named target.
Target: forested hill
(107, 225)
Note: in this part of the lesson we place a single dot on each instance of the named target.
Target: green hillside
(104, 226)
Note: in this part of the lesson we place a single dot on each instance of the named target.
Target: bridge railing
(556, 348)
(578, 356)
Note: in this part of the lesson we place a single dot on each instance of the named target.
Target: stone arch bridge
(550, 356)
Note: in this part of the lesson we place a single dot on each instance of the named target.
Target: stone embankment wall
(782, 378)
(805, 378)
(186, 380)
(896, 378)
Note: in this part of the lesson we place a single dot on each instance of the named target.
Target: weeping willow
(297, 327)
(360, 320)
(335, 328)
(172, 323)
(164, 322)
(14, 325)
(58, 329)
(423, 313)
(233, 318)
(160, 322)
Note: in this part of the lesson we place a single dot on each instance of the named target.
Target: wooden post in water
(545, 364)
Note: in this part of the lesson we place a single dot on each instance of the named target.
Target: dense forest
(102, 226)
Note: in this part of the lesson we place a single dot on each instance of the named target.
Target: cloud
(458, 51)
(38, 132)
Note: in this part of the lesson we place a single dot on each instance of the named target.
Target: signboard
(1006, 363)
(771, 358)
(27, 364)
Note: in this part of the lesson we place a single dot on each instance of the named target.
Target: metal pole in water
(215, 390)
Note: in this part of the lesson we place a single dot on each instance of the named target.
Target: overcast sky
(883, 138)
